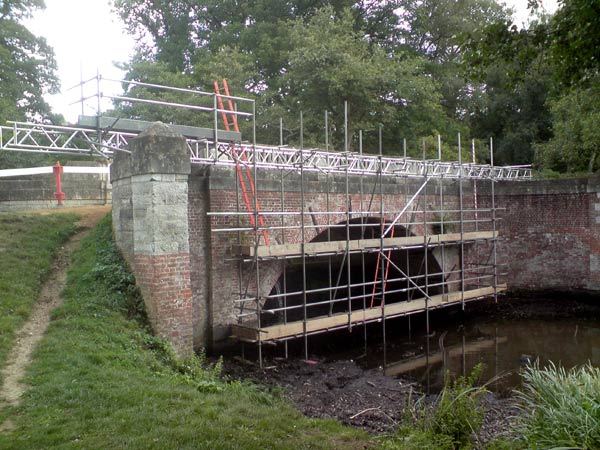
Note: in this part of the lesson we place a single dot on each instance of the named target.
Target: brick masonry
(190, 277)
(551, 234)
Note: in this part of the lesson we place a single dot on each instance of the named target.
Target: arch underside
(339, 283)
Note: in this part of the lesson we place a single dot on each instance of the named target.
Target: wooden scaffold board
(315, 248)
(324, 323)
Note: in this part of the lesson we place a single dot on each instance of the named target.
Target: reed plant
(561, 408)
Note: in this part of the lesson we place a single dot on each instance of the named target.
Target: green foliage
(561, 408)
(526, 98)
(416, 67)
(28, 244)
(331, 62)
(511, 105)
(111, 270)
(575, 145)
(449, 422)
(311, 56)
(457, 413)
(27, 66)
(411, 438)
(576, 40)
(436, 30)
(101, 380)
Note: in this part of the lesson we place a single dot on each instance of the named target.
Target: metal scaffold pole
(362, 253)
(494, 242)
(441, 224)
(348, 217)
(303, 239)
(381, 249)
(256, 232)
(462, 232)
(425, 241)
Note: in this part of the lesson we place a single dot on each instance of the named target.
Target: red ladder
(385, 276)
(249, 198)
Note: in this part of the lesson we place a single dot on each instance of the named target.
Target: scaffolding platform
(314, 325)
(329, 247)
(133, 126)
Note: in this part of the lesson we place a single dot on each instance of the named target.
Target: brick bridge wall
(551, 234)
(549, 230)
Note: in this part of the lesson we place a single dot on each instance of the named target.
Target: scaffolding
(381, 261)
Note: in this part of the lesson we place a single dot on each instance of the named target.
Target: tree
(575, 145)
(27, 65)
(513, 70)
(397, 62)
(437, 30)
(296, 56)
(575, 45)
(27, 72)
(332, 63)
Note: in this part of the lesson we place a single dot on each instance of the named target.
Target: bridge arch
(329, 279)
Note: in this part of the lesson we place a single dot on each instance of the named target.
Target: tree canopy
(27, 66)
(417, 67)
(27, 73)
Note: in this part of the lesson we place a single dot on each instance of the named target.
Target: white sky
(87, 36)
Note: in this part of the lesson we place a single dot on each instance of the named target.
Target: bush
(561, 407)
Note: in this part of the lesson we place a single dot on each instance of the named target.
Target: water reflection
(503, 347)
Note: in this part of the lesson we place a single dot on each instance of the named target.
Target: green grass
(561, 407)
(100, 380)
(28, 244)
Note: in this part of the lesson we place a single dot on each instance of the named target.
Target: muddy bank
(551, 305)
(333, 389)
(344, 391)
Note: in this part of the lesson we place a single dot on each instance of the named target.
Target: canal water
(504, 339)
(503, 347)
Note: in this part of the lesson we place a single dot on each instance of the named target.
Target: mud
(367, 399)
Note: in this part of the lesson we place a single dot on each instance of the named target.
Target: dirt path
(33, 330)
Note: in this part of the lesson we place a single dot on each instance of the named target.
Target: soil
(333, 389)
(548, 305)
(33, 330)
(367, 399)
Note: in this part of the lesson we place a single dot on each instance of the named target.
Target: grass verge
(28, 244)
(100, 380)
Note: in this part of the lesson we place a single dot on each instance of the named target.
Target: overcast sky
(87, 36)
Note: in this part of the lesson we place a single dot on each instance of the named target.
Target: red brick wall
(215, 270)
(165, 285)
(551, 237)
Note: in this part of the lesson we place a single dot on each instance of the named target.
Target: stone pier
(152, 229)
